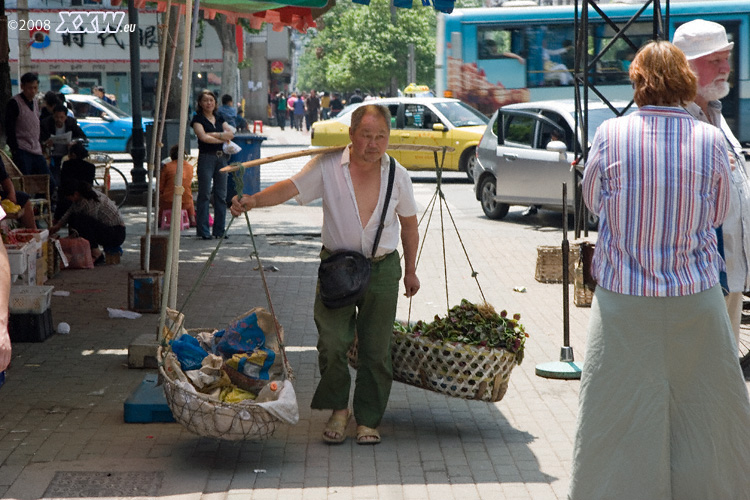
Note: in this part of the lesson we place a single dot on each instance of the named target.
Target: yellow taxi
(430, 121)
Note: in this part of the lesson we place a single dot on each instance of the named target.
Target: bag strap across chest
(389, 190)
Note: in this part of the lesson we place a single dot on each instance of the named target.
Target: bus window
(614, 64)
(494, 43)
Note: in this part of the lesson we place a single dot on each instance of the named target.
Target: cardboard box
(41, 271)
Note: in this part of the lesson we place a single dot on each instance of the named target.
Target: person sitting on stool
(166, 186)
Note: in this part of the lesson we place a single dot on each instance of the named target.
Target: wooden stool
(256, 123)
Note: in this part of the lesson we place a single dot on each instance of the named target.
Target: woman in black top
(212, 132)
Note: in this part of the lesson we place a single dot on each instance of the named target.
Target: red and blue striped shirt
(659, 181)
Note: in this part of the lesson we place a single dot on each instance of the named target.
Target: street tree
(367, 47)
(229, 55)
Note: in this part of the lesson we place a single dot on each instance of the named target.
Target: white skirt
(664, 411)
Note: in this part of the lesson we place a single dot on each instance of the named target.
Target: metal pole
(566, 353)
(137, 148)
(566, 368)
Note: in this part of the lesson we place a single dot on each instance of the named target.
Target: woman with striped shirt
(664, 411)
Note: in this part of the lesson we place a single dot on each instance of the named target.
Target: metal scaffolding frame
(585, 68)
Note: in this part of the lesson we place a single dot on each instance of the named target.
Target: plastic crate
(30, 327)
(30, 299)
(18, 257)
(24, 235)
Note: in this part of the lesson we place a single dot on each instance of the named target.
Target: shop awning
(297, 14)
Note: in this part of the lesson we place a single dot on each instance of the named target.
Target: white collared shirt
(328, 177)
(736, 227)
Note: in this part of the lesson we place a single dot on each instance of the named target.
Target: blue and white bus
(489, 57)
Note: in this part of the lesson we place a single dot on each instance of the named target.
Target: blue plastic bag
(244, 335)
(189, 352)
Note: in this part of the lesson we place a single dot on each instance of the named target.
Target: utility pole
(411, 66)
(137, 147)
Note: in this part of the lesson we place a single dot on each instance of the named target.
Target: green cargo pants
(372, 320)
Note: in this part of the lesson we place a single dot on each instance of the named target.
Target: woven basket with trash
(230, 384)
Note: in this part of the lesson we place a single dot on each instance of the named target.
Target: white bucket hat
(699, 38)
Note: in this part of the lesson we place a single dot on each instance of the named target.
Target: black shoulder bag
(344, 276)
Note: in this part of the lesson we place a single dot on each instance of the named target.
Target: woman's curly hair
(661, 76)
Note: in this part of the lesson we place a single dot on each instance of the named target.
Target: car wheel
(129, 146)
(492, 208)
(468, 162)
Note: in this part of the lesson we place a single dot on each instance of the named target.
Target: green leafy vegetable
(473, 324)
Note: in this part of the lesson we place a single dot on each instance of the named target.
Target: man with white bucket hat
(707, 49)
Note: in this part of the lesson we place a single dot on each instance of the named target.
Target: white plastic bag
(231, 148)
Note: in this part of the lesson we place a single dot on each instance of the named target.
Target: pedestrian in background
(336, 105)
(59, 124)
(325, 106)
(707, 49)
(312, 109)
(227, 110)
(664, 411)
(49, 101)
(298, 111)
(356, 97)
(353, 185)
(212, 132)
(281, 110)
(22, 129)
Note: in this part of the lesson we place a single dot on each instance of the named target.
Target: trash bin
(250, 144)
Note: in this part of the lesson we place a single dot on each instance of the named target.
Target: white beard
(714, 91)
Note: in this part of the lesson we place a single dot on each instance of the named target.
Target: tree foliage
(359, 46)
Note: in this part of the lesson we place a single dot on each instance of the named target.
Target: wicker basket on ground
(549, 263)
(450, 368)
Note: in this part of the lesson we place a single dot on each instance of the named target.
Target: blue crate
(147, 404)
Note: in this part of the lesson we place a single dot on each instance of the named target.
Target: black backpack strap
(388, 191)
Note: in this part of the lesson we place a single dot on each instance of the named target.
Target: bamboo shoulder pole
(320, 151)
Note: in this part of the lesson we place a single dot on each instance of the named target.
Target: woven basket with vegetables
(469, 353)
